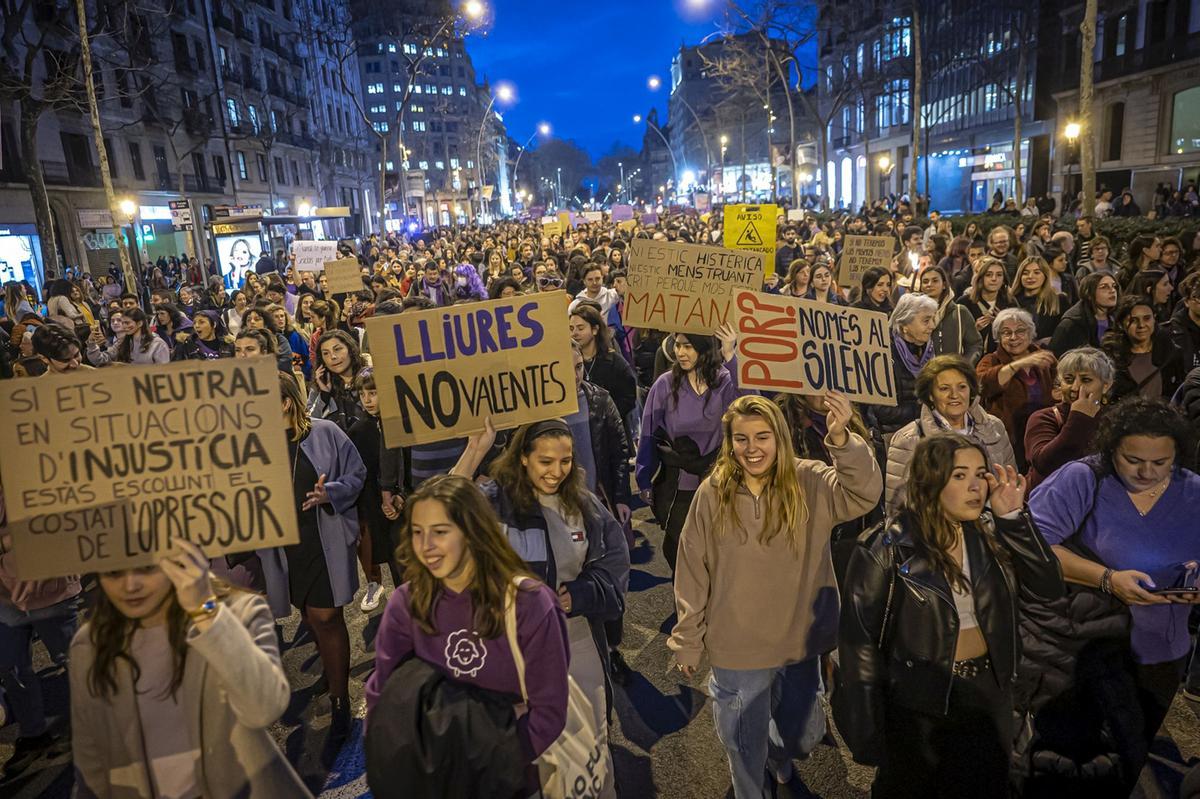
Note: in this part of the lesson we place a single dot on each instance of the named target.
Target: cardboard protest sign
(551, 226)
(312, 255)
(860, 253)
(686, 288)
(344, 276)
(752, 228)
(627, 224)
(104, 469)
(795, 215)
(805, 347)
(592, 216)
(650, 218)
(566, 221)
(621, 212)
(441, 372)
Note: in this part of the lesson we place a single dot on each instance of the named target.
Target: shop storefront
(21, 256)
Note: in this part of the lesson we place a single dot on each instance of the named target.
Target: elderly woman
(948, 392)
(1122, 523)
(912, 327)
(1018, 378)
(1065, 432)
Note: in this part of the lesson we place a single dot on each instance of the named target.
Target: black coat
(891, 418)
(1167, 358)
(1077, 328)
(614, 374)
(431, 736)
(610, 446)
(899, 625)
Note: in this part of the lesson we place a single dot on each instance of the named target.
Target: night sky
(583, 66)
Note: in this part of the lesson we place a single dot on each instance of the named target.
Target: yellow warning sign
(752, 228)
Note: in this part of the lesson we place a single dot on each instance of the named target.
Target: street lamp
(674, 166)
(885, 164)
(544, 129)
(504, 93)
(128, 207)
(1072, 131)
(653, 82)
(473, 9)
(559, 201)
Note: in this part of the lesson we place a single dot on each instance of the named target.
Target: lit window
(462, 91)
(391, 48)
(423, 164)
(375, 88)
(231, 107)
(454, 163)
(439, 164)
(391, 166)
(380, 127)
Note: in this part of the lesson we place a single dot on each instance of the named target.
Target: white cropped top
(964, 601)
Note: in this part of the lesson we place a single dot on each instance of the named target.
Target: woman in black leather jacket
(928, 640)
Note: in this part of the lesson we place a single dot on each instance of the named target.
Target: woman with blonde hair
(757, 537)
(1032, 288)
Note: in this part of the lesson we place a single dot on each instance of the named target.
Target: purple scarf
(911, 362)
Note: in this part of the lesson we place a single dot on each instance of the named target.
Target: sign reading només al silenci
(104, 469)
(442, 372)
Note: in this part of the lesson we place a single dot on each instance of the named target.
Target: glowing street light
(885, 163)
(544, 128)
(128, 207)
(653, 82)
(304, 209)
(1072, 131)
(504, 92)
(473, 9)
(637, 118)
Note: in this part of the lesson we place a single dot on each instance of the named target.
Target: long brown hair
(932, 533)
(508, 470)
(111, 634)
(1047, 298)
(496, 562)
(787, 510)
(125, 348)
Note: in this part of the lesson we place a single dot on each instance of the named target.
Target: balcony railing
(60, 173)
(203, 184)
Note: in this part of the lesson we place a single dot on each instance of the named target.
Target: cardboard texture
(344, 276)
(442, 372)
(686, 288)
(104, 469)
(805, 347)
(860, 253)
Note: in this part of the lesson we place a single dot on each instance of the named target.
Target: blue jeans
(55, 625)
(761, 716)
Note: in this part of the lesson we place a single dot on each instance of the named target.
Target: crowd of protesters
(988, 581)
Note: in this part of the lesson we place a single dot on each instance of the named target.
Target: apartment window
(380, 127)
(1122, 24)
(280, 174)
(416, 88)
(1114, 132)
(439, 164)
(219, 168)
(135, 160)
(252, 113)
(423, 164)
(274, 120)
(417, 109)
(454, 163)
(112, 159)
(295, 173)
(372, 66)
(846, 120)
(391, 166)
(418, 125)
(223, 56)
(399, 106)
(470, 164)
(243, 173)
(232, 110)
(392, 47)
(462, 91)
(860, 58)
(410, 48)
(309, 171)
(397, 88)
(374, 88)
(262, 167)
(1185, 121)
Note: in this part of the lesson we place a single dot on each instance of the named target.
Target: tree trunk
(1018, 108)
(822, 157)
(866, 139)
(89, 86)
(42, 218)
(383, 151)
(1087, 147)
(915, 111)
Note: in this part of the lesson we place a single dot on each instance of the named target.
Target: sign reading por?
(442, 372)
(799, 346)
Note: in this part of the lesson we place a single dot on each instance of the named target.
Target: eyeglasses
(1019, 333)
(550, 281)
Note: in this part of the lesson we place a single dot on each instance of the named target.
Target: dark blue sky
(582, 66)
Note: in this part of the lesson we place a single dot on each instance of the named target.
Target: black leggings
(964, 753)
(675, 520)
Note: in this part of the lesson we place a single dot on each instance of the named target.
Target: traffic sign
(752, 228)
(181, 214)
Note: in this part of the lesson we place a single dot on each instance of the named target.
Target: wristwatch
(207, 609)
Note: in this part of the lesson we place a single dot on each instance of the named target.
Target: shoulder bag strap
(887, 608)
(510, 629)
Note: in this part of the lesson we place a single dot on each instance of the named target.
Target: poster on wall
(237, 252)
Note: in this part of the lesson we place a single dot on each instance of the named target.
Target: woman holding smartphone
(1132, 509)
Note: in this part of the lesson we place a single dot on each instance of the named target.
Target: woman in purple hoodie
(450, 613)
(681, 427)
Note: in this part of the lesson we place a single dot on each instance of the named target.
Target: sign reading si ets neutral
(686, 288)
(442, 372)
(105, 469)
(806, 347)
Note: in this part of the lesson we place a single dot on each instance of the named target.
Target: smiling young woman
(758, 537)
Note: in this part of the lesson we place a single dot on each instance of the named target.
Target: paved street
(663, 740)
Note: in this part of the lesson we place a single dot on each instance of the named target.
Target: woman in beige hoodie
(754, 583)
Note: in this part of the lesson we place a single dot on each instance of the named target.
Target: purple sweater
(1123, 539)
(487, 663)
(697, 417)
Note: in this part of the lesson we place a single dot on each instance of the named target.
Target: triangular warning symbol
(749, 237)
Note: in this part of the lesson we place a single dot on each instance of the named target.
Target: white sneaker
(371, 597)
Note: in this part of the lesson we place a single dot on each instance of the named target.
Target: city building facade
(210, 103)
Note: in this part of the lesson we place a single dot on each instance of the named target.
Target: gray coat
(333, 455)
(234, 687)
